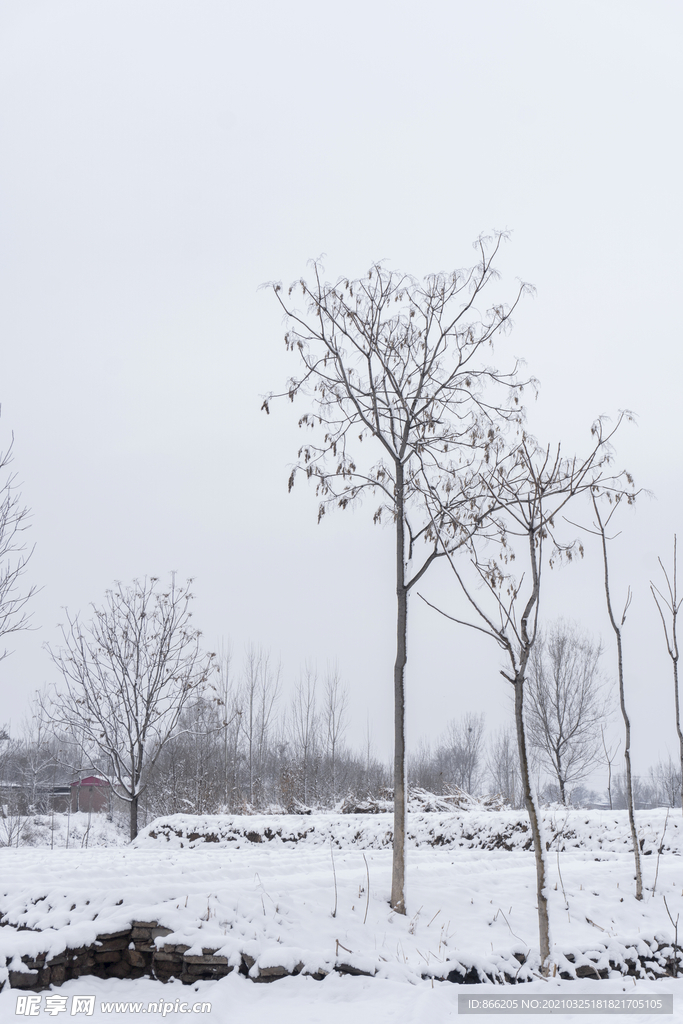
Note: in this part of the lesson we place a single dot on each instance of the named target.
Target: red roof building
(90, 794)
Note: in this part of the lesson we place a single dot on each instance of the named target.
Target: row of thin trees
(244, 745)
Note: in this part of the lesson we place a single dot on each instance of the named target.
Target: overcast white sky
(161, 160)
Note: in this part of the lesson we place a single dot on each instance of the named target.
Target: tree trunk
(629, 778)
(622, 702)
(134, 816)
(251, 763)
(539, 849)
(235, 767)
(305, 773)
(398, 902)
(226, 760)
(678, 723)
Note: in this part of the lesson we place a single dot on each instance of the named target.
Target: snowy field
(337, 1000)
(314, 890)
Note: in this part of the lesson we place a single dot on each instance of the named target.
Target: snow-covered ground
(470, 903)
(337, 1000)
(59, 830)
(277, 904)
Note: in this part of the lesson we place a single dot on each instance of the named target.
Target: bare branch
(14, 559)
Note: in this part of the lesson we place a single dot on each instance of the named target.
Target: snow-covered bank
(565, 829)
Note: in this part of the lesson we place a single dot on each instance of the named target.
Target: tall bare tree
(393, 369)
(127, 677)
(600, 528)
(566, 704)
(672, 603)
(533, 486)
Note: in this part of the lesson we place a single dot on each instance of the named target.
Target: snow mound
(599, 831)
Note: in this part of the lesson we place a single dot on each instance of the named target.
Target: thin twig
(367, 902)
(334, 873)
(413, 923)
(499, 911)
(659, 851)
(566, 901)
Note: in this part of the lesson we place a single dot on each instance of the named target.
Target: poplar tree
(399, 393)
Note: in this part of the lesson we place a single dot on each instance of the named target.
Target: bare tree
(566, 704)
(37, 761)
(466, 740)
(456, 762)
(334, 721)
(459, 753)
(672, 604)
(608, 757)
(390, 365)
(128, 675)
(601, 525)
(14, 520)
(665, 779)
(533, 486)
(643, 792)
(227, 697)
(260, 693)
(304, 723)
(503, 768)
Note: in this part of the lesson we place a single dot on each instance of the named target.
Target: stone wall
(133, 953)
(127, 954)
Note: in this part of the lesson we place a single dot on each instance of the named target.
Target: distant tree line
(243, 746)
